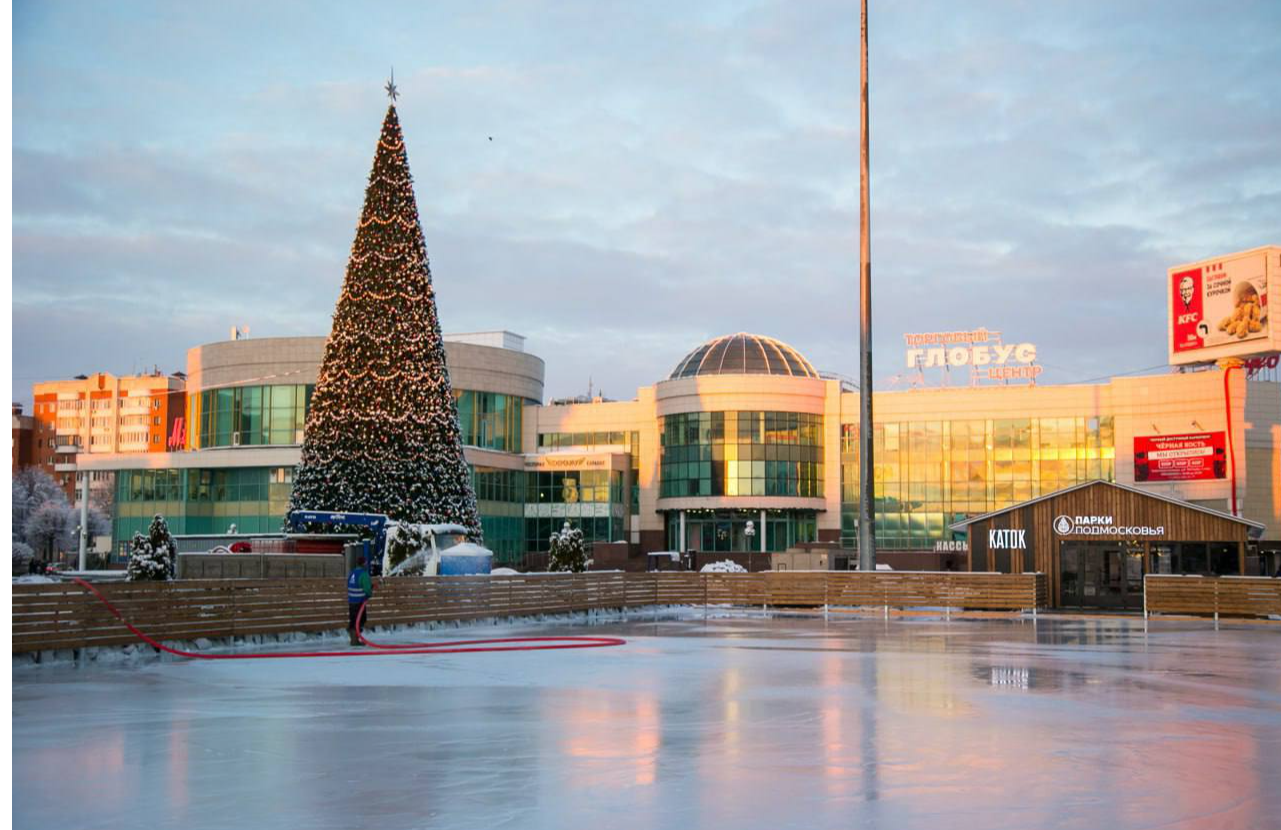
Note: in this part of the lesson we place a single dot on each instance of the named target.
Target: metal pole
(680, 543)
(762, 530)
(866, 479)
(84, 521)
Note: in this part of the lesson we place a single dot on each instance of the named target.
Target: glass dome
(744, 354)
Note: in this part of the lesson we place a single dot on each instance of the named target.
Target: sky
(621, 181)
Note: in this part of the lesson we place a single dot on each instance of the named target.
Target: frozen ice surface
(728, 723)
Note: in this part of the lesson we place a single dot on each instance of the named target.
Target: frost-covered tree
(51, 528)
(568, 551)
(382, 431)
(99, 524)
(152, 557)
(32, 488)
(22, 556)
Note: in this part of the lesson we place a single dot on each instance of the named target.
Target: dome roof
(744, 354)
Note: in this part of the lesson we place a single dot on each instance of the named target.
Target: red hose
(1232, 456)
(455, 647)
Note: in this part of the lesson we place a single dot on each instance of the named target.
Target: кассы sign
(1102, 526)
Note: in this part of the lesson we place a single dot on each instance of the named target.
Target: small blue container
(465, 564)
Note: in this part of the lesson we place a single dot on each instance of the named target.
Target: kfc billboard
(1201, 455)
(1224, 307)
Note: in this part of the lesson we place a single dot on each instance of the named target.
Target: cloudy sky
(659, 173)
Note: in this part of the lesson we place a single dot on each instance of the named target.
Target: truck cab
(443, 551)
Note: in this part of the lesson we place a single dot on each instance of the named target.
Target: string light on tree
(382, 430)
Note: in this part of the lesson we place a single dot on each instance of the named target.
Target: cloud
(657, 177)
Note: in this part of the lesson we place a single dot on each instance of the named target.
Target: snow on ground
(730, 722)
(725, 566)
(30, 579)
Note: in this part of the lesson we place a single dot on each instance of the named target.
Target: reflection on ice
(737, 723)
(1006, 676)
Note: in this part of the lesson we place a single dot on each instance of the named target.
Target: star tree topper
(391, 86)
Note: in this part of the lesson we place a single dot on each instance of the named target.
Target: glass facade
(741, 454)
(591, 500)
(931, 473)
(248, 416)
(588, 440)
(744, 354)
(489, 420)
(197, 501)
(500, 496)
(255, 500)
(726, 530)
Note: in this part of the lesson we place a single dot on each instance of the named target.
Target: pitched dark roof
(1256, 531)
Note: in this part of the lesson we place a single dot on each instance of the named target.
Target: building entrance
(1101, 575)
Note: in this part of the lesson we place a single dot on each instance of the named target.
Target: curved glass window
(744, 354)
(741, 454)
(489, 420)
(249, 416)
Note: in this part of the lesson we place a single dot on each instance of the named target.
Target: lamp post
(866, 478)
(749, 531)
(82, 532)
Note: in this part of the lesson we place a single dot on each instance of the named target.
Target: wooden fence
(65, 616)
(260, 565)
(1229, 596)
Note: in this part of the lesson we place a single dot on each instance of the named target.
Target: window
(932, 473)
(741, 454)
(255, 414)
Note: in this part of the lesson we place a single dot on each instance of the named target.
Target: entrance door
(1101, 575)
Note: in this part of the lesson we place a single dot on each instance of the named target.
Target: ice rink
(724, 723)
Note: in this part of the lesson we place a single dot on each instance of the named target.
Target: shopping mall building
(744, 447)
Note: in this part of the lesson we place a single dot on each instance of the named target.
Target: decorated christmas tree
(382, 430)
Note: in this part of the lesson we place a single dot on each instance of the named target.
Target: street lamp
(750, 531)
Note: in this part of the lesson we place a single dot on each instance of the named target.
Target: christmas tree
(382, 430)
(151, 557)
(568, 552)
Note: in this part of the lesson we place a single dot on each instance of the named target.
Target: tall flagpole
(866, 478)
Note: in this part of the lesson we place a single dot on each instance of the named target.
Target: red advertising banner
(1180, 457)
(1219, 303)
(1186, 313)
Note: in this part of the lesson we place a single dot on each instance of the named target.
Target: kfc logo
(1186, 289)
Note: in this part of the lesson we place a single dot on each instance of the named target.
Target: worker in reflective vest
(359, 590)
